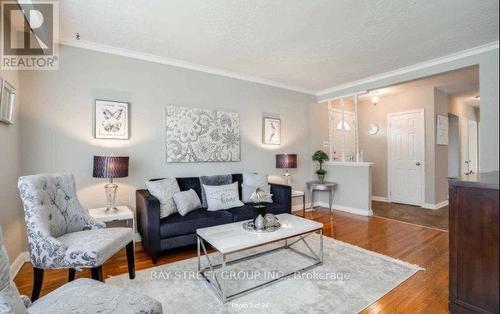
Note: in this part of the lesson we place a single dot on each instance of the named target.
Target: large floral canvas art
(200, 135)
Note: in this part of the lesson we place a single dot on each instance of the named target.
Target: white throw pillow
(222, 196)
(186, 201)
(255, 179)
(164, 191)
(247, 191)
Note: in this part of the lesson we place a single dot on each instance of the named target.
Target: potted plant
(320, 156)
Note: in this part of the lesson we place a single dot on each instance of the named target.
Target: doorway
(406, 151)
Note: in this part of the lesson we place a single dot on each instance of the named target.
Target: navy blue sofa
(177, 231)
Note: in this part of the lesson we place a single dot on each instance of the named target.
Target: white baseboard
(435, 206)
(16, 265)
(380, 199)
(352, 210)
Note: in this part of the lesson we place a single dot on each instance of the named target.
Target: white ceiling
(309, 44)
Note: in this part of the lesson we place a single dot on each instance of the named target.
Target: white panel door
(406, 157)
(472, 137)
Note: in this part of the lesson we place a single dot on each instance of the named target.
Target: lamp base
(288, 177)
(110, 190)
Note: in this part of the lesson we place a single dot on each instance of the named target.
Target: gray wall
(375, 146)
(11, 213)
(458, 107)
(416, 95)
(488, 79)
(57, 110)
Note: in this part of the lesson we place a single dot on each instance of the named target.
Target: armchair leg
(131, 260)
(71, 274)
(97, 273)
(37, 283)
(154, 257)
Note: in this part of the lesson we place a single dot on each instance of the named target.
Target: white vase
(259, 223)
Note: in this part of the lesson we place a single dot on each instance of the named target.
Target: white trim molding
(380, 199)
(16, 265)
(83, 44)
(352, 210)
(411, 68)
(435, 206)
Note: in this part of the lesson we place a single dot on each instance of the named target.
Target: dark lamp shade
(286, 161)
(110, 167)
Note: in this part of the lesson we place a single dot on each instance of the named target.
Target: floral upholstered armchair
(60, 232)
(83, 296)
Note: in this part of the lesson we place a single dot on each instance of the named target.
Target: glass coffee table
(232, 238)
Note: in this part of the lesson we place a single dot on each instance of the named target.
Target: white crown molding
(244, 77)
(178, 63)
(415, 67)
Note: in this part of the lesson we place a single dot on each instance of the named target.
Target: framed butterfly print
(271, 131)
(111, 119)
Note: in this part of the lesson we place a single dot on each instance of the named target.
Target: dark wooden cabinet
(474, 265)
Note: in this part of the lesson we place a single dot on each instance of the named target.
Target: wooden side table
(322, 186)
(302, 194)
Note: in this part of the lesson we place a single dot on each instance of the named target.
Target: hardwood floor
(425, 292)
(433, 218)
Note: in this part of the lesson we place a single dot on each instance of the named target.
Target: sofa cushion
(188, 183)
(175, 225)
(254, 179)
(249, 211)
(91, 248)
(186, 201)
(164, 191)
(213, 181)
(222, 196)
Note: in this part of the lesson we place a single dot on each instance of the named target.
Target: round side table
(322, 186)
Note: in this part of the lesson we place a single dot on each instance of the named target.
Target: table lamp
(110, 167)
(286, 161)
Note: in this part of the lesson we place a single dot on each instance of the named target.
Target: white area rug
(349, 280)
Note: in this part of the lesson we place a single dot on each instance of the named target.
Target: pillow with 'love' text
(222, 196)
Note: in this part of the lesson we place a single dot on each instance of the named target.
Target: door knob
(418, 163)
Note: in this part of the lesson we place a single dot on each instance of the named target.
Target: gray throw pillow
(163, 190)
(186, 201)
(254, 179)
(213, 180)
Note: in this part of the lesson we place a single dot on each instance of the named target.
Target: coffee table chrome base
(215, 285)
